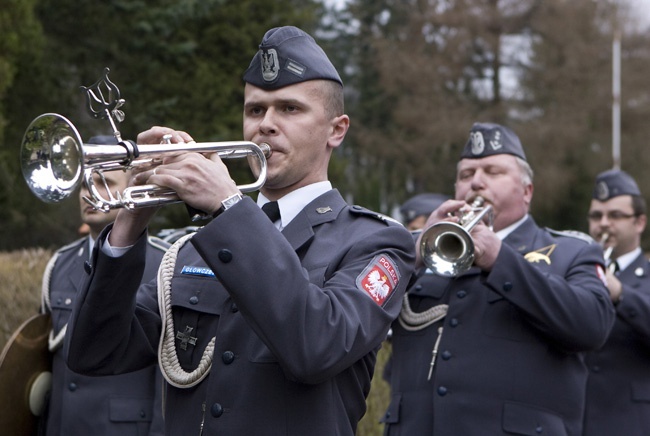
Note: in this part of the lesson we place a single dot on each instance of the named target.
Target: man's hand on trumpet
(199, 181)
(486, 243)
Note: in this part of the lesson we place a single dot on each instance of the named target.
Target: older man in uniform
(618, 387)
(83, 405)
(499, 348)
(271, 323)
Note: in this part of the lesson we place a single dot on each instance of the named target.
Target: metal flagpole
(616, 104)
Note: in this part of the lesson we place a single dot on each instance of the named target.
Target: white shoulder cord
(54, 342)
(167, 357)
(417, 321)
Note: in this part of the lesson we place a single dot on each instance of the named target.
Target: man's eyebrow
(275, 102)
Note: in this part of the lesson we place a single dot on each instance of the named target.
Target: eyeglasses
(613, 215)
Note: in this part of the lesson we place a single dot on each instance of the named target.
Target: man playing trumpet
(271, 317)
(618, 388)
(499, 348)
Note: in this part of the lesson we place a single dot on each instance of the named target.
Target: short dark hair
(332, 94)
(638, 205)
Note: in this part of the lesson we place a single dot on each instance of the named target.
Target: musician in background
(81, 405)
(618, 387)
(272, 313)
(499, 349)
(417, 209)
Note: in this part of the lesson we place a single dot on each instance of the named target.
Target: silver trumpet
(54, 161)
(447, 248)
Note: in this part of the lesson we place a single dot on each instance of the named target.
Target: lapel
(522, 239)
(323, 209)
(76, 271)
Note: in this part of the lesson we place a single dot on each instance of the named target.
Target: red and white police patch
(379, 278)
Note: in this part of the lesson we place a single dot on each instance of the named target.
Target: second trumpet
(447, 248)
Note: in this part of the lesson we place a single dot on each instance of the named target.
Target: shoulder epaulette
(376, 215)
(572, 234)
(158, 243)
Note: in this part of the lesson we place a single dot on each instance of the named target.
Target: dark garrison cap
(288, 55)
(613, 183)
(421, 204)
(103, 139)
(488, 139)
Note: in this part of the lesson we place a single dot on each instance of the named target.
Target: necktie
(272, 210)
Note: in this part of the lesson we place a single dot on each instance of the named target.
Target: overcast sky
(642, 6)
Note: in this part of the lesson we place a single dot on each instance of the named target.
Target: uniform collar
(291, 204)
(626, 260)
(503, 233)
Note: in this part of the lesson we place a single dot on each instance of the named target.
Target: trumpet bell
(447, 249)
(51, 157)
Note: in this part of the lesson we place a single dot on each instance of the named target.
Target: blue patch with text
(197, 271)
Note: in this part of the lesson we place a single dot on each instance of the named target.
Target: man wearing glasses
(618, 387)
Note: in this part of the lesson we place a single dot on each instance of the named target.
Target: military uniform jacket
(618, 388)
(296, 336)
(510, 359)
(82, 405)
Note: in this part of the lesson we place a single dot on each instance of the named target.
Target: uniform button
(453, 322)
(539, 429)
(461, 294)
(143, 414)
(446, 355)
(194, 299)
(387, 415)
(216, 410)
(595, 368)
(225, 255)
(418, 288)
(59, 300)
(88, 267)
(234, 308)
(72, 387)
(228, 357)
(357, 207)
(68, 301)
(442, 391)
(507, 286)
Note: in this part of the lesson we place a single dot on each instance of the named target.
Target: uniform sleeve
(314, 330)
(572, 308)
(111, 336)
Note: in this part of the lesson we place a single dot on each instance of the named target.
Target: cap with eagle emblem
(613, 183)
(288, 55)
(487, 139)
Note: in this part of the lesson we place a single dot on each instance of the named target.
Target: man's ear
(340, 126)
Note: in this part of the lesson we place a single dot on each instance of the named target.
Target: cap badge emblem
(270, 65)
(478, 144)
(602, 191)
